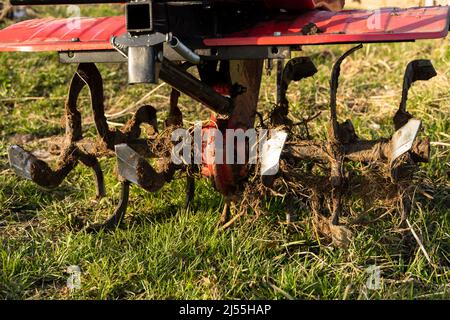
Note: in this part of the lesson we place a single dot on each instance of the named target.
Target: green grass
(167, 252)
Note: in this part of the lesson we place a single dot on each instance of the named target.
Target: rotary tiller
(228, 42)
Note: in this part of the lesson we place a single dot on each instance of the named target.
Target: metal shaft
(189, 85)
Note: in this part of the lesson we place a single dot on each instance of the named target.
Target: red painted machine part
(62, 34)
(336, 27)
(222, 174)
(348, 26)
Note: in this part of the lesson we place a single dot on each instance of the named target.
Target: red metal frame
(346, 26)
(62, 34)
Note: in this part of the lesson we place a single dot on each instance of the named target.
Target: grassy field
(165, 252)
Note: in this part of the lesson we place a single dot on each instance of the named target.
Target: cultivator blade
(403, 139)
(128, 163)
(26, 165)
(271, 153)
(134, 168)
(21, 161)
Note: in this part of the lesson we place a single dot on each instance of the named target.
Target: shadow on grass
(160, 215)
(22, 200)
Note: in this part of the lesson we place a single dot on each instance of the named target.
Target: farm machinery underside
(228, 43)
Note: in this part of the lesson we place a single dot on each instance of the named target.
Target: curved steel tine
(119, 214)
(28, 166)
(73, 116)
(337, 160)
(296, 69)
(144, 115)
(90, 74)
(74, 132)
(133, 168)
(334, 84)
(92, 162)
(417, 70)
(402, 164)
(175, 117)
